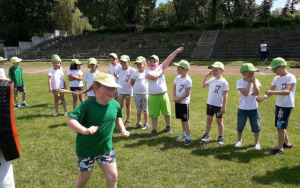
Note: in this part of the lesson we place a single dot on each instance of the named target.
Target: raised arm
(203, 85)
(166, 63)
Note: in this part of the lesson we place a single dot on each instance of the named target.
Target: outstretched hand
(180, 49)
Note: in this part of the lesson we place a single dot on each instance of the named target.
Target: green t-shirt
(16, 75)
(91, 113)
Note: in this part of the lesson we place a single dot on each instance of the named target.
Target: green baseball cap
(277, 62)
(2, 59)
(248, 67)
(76, 61)
(183, 63)
(114, 55)
(217, 64)
(124, 58)
(55, 57)
(92, 61)
(140, 59)
(154, 57)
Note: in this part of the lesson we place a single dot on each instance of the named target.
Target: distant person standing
(263, 51)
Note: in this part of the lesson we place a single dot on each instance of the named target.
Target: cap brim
(269, 67)
(111, 84)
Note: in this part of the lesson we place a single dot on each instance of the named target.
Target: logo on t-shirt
(127, 78)
(217, 88)
(283, 86)
(181, 88)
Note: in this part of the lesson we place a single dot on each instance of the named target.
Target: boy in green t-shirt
(94, 121)
(16, 75)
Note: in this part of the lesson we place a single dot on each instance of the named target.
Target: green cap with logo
(183, 63)
(154, 57)
(277, 62)
(140, 59)
(114, 55)
(92, 61)
(2, 59)
(217, 64)
(124, 58)
(76, 61)
(55, 57)
(248, 67)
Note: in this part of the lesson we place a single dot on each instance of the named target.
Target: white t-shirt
(2, 73)
(114, 69)
(57, 78)
(215, 91)
(181, 85)
(158, 85)
(263, 47)
(89, 79)
(75, 83)
(6, 173)
(124, 80)
(141, 84)
(247, 102)
(281, 82)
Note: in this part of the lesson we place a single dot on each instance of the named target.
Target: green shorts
(157, 103)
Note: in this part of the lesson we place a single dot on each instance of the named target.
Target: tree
(233, 9)
(69, 18)
(164, 14)
(264, 11)
(22, 19)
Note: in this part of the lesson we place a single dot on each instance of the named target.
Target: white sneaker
(257, 146)
(55, 115)
(181, 137)
(238, 143)
(66, 114)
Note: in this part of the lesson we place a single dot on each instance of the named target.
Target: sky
(276, 4)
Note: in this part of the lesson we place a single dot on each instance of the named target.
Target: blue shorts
(87, 163)
(253, 118)
(282, 115)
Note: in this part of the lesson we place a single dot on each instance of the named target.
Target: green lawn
(48, 158)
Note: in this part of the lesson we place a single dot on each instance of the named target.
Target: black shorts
(182, 111)
(211, 110)
(20, 89)
(76, 88)
(282, 115)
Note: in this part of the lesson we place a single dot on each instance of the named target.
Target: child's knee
(112, 178)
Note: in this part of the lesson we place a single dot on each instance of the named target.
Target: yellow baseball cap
(114, 55)
(15, 60)
(2, 59)
(106, 79)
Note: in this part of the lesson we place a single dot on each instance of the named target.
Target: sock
(220, 136)
(184, 133)
(188, 137)
(23, 101)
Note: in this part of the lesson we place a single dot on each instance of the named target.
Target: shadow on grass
(228, 152)
(286, 175)
(35, 116)
(57, 125)
(38, 106)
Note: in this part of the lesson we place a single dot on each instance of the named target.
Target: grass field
(48, 158)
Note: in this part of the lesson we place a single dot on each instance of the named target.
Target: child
(16, 75)
(114, 67)
(94, 121)
(90, 76)
(75, 78)
(125, 92)
(140, 92)
(181, 97)
(216, 100)
(56, 81)
(158, 96)
(285, 83)
(248, 88)
(2, 72)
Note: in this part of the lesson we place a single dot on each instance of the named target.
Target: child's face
(113, 61)
(216, 72)
(93, 67)
(152, 64)
(104, 93)
(78, 67)
(125, 65)
(181, 70)
(248, 74)
(16, 64)
(1, 64)
(56, 64)
(141, 66)
(278, 70)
